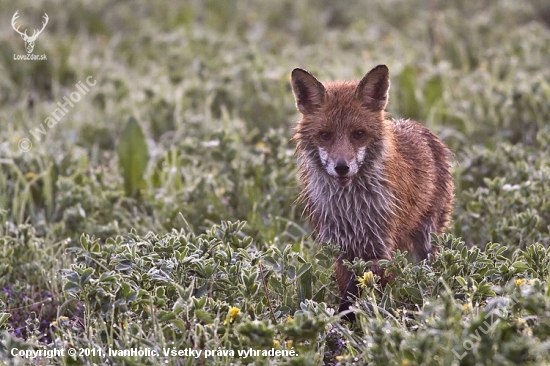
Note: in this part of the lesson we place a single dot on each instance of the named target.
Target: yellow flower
(275, 343)
(262, 147)
(520, 282)
(30, 175)
(367, 280)
(342, 357)
(61, 321)
(231, 315)
(289, 343)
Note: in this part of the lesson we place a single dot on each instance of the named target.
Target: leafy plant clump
(209, 292)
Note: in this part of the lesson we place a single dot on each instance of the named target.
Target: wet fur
(403, 188)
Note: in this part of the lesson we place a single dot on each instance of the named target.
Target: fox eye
(358, 135)
(325, 135)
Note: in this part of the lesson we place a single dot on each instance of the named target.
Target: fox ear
(309, 93)
(372, 90)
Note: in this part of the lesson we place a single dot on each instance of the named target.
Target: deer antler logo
(29, 41)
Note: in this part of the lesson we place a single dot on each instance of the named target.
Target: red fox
(371, 184)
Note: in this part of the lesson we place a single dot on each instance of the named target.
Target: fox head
(343, 123)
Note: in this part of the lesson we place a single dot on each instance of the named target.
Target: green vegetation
(159, 211)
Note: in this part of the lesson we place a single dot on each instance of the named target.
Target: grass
(159, 212)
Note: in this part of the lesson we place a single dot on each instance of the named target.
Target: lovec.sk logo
(29, 40)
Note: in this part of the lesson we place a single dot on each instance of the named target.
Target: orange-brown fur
(371, 184)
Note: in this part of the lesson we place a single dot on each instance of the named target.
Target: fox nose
(341, 168)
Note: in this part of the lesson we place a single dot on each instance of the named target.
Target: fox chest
(356, 217)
